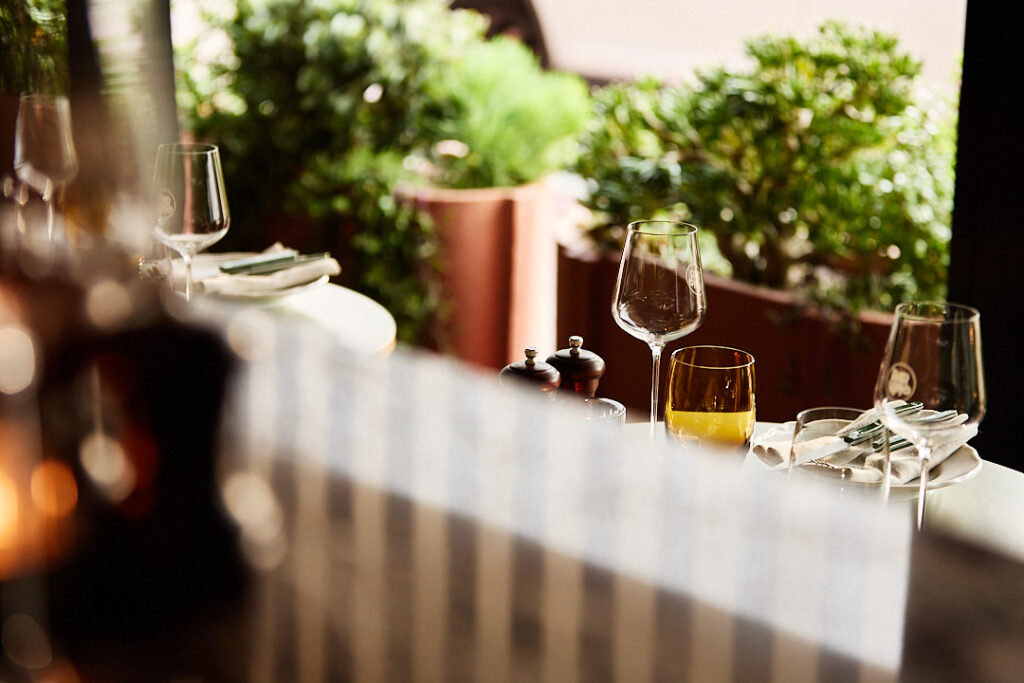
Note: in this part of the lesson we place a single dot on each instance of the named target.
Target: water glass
(711, 397)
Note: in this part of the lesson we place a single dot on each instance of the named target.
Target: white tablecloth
(987, 509)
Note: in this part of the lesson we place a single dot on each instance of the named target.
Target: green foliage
(323, 108)
(819, 169)
(33, 47)
(315, 105)
(505, 121)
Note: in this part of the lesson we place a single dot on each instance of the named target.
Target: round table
(987, 509)
(356, 321)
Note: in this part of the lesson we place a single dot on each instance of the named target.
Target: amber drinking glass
(711, 397)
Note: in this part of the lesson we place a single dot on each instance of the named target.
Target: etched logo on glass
(901, 382)
(167, 205)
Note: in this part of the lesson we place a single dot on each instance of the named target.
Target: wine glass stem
(887, 472)
(925, 454)
(49, 218)
(186, 259)
(656, 350)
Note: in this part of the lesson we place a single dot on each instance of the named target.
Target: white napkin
(773, 449)
(906, 466)
(207, 276)
(774, 445)
(257, 285)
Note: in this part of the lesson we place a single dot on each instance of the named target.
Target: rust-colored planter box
(800, 362)
(500, 260)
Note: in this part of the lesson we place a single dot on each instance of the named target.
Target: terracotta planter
(500, 261)
(799, 361)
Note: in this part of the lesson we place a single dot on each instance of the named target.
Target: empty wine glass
(192, 208)
(933, 355)
(659, 294)
(44, 154)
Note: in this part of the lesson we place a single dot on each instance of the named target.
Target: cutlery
(266, 266)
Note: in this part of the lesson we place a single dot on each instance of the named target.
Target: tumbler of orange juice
(711, 397)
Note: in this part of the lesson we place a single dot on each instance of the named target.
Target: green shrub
(33, 47)
(323, 108)
(820, 169)
(315, 105)
(505, 121)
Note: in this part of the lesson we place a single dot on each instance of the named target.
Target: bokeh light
(8, 511)
(25, 642)
(17, 360)
(53, 488)
(104, 460)
(252, 504)
(108, 304)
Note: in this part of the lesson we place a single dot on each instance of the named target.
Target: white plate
(963, 464)
(271, 297)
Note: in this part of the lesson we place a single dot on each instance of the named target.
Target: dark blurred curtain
(988, 236)
(122, 107)
(515, 18)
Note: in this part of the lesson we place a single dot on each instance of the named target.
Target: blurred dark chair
(514, 18)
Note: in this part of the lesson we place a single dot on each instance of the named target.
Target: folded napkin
(906, 465)
(773, 448)
(864, 465)
(272, 283)
(208, 278)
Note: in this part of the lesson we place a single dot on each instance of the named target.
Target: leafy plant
(819, 169)
(316, 105)
(33, 46)
(505, 121)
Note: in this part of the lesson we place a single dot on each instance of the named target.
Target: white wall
(669, 38)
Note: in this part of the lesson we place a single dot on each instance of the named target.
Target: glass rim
(816, 409)
(188, 148)
(681, 228)
(43, 97)
(909, 311)
(613, 409)
(717, 347)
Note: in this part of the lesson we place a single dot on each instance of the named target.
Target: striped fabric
(409, 519)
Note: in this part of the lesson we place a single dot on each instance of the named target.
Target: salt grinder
(538, 373)
(581, 370)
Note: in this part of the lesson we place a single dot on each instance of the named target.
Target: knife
(273, 266)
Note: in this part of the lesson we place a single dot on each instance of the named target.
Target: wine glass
(659, 293)
(711, 397)
(44, 154)
(192, 209)
(817, 431)
(933, 355)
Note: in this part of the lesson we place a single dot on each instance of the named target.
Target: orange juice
(727, 428)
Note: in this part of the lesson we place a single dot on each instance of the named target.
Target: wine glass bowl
(710, 397)
(44, 152)
(933, 355)
(659, 293)
(191, 204)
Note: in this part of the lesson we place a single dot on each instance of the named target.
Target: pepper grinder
(581, 370)
(541, 375)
